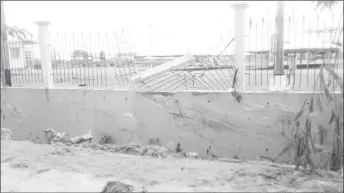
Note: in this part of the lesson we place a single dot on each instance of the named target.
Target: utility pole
(5, 62)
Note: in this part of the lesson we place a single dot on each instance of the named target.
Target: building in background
(21, 54)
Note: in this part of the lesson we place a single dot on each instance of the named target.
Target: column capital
(241, 5)
(42, 23)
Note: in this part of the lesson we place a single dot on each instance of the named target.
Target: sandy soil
(29, 167)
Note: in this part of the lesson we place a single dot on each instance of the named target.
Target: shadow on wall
(195, 120)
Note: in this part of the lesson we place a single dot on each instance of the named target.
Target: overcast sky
(157, 27)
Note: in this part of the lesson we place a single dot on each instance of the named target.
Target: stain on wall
(194, 120)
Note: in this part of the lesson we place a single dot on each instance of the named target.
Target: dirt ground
(29, 167)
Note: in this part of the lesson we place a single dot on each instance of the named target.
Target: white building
(21, 54)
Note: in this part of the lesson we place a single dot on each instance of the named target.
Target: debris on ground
(6, 134)
(210, 154)
(178, 148)
(19, 165)
(154, 141)
(273, 160)
(82, 138)
(85, 169)
(117, 187)
(131, 148)
(105, 140)
(51, 136)
(192, 154)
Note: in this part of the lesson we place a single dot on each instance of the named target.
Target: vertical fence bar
(255, 56)
(45, 53)
(309, 47)
(316, 59)
(261, 55)
(267, 58)
(302, 54)
(249, 51)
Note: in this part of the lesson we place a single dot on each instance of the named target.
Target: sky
(156, 27)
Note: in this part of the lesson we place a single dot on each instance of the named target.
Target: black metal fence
(105, 60)
(91, 59)
(21, 60)
(308, 43)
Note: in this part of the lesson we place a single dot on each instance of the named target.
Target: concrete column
(239, 35)
(45, 53)
(279, 67)
(279, 82)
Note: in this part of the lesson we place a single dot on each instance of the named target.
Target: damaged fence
(104, 59)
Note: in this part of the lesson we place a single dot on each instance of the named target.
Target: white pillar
(45, 53)
(239, 35)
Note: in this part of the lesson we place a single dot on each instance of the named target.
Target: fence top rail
(163, 92)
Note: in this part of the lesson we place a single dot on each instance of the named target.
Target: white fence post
(239, 35)
(45, 53)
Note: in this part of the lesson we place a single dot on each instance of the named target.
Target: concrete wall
(195, 120)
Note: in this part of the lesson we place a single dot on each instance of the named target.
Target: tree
(19, 34)
(325, 4)
(301, 140)
(79, 54)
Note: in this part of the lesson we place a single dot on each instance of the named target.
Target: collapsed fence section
(309, 42)
(205, 73)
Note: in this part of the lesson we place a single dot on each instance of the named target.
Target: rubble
(85, 137)
(51, 136)
(6, 134)
(154, 141)
(105, 140)
(115, 186)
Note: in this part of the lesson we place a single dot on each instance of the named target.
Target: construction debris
(6, 134)
(105, 140)
(85, 137)
(52, 137)
(191, 154)
(115, 186)
(210, 154)
(178, 148)
(154, 141)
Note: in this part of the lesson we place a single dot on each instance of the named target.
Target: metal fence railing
(102, 60)
(91, 59)
(24, 63)
(105, 60)
(207, 73)
(308, 43)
